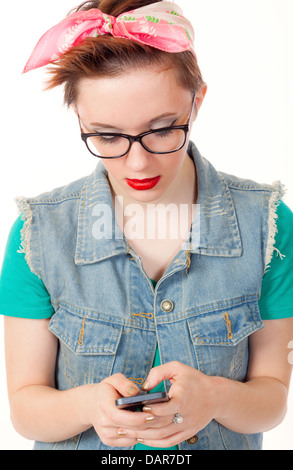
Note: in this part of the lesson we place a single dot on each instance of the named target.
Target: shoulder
(284, 233)
(59, 194)
(242, 184)
(46, 219)
(248, 194)
(260, 206)
(277, 287)
(285, 214)
(51, 200)
(210, 176)
(14, 234)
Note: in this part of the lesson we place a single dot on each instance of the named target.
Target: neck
(184, 188)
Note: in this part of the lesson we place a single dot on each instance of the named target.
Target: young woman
(156, 272)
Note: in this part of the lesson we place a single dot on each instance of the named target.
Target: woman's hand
(192, 394)
(115, 427)
(257, 405)
(41, 412)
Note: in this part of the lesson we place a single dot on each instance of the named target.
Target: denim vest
(109, 317)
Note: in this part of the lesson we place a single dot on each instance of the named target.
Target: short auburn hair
(109, 56)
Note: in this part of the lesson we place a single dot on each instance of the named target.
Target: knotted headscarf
(160, 25)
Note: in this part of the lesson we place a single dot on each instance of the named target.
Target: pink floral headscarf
(160, 25)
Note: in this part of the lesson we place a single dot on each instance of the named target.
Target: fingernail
(132, 391)
(139, 439)
(147, 408)
(145, 386)
(121, 433)
(150, 418)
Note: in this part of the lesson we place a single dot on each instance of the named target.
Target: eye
(164, 133)
(106, 139)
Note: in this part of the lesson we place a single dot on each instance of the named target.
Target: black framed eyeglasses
(158, 141)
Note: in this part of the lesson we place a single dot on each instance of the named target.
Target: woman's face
(133, 103)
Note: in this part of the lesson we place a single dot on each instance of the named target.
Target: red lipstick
(143, 185)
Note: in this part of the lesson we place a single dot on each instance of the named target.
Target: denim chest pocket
(220, 339)
(87, 347)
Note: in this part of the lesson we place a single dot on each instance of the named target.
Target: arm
(257, 405)
(260, 404)
(41, 412)
(38, 410)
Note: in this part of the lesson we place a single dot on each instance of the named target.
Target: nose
(138, 159)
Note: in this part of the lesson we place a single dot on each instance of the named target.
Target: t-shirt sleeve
(276, 300)
(22, 293)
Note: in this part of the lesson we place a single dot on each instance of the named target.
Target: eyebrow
(158, 118)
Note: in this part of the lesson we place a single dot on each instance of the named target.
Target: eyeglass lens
(163, 141)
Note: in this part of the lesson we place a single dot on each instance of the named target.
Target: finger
(132, 419)
(173, 439)
(167, 442)
(169, 371)
(112, 438)
(150, 433)
(122, 384)
(164, 410)
(162, 438)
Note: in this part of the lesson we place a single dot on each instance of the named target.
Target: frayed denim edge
(25, 211)
(277, 193)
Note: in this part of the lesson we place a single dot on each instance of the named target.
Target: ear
(199, 97)
(74, 108)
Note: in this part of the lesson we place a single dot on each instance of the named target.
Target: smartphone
(139, 401)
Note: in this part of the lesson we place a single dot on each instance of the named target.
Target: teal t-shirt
(24, 295)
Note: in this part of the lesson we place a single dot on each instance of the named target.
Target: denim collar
(215, 223)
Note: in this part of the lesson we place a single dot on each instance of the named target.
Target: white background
(244, 128)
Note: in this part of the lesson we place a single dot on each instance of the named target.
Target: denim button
(192, 440)
(167, 305)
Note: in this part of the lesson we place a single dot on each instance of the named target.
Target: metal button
(167, 305)
(192, 440)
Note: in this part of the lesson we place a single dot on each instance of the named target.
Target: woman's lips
(143, 185)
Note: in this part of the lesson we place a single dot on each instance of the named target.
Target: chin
(145, 196)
